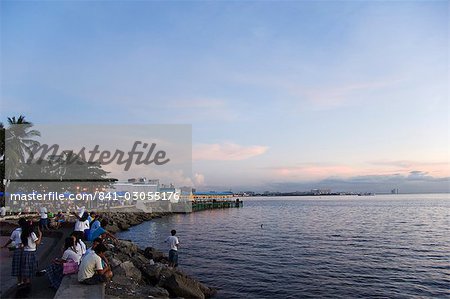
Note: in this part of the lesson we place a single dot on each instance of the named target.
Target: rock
(148, 217)
(129, 270)
(152, 253)
(112, 228)
(114, 262)
(122, 280)
(123, 225)
(208, 292)
(153, 291)
(152, 273)
(182, 286)
(140, 260)
(134, 221)
(127, 247)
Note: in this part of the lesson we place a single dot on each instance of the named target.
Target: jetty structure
(151, 196)
(215, 200)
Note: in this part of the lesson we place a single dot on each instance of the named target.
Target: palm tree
(18, 141)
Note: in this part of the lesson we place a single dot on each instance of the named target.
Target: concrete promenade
(40, 288)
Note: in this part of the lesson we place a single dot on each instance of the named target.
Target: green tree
(19, 137)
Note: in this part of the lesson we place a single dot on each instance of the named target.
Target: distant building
(211, 195)
(321, 191)
(135, 185)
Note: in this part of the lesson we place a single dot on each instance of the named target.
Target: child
(17, 256)
(29, 241)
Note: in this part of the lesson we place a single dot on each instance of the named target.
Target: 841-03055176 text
(136, 195)
(97, 195)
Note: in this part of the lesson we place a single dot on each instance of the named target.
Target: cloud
(322, 170)
(199, 180)
(334, 96)
(312, 171)
(327, 95)
(437, 168)
(412, 182)
(226, 151)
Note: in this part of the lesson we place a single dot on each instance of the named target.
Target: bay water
(386, 246)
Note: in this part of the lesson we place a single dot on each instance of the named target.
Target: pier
(214, 200)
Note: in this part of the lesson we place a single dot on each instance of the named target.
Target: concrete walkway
(40, 288)
(71, 288)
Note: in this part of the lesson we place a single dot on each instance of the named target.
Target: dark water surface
(395, 246)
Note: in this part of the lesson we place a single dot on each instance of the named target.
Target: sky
(281, 95)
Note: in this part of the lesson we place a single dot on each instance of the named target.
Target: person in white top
(3, 211)
(173, 251)
(43, 222)
(29, 241)
(80, 246)
(82, 222)
(94, 268)
(95, 243)
(55, 270)
(17, 256)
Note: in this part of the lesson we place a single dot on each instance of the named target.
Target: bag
(70, 267)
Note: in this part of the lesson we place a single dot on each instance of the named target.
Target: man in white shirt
(93, 268)
(173, 251)
(43, 222)
(3, 211)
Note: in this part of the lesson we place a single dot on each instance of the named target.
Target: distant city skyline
(282, 96)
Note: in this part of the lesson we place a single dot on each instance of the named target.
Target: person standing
(17, 256)
(82, 222)
(3, 211)
(29, 242)
(43, 222)
(173, 248)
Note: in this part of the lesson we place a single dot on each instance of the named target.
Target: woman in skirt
(17, 256)
(55, 270)
(29, 242)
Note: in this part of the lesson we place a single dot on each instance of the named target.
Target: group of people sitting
(90, 264)
(91, 225)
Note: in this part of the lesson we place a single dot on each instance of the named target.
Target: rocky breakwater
(118, 221)
(144, 274)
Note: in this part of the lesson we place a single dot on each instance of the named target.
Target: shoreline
(138, 273)
(142, 273)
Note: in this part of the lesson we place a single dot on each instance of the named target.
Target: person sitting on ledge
(55, 270)
(95, 243)
(59, 219)
(94, 268)
(80, 246)
(98, 231)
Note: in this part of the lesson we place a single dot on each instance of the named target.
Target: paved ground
(40, 288)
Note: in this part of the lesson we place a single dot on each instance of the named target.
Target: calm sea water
(395, 246)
